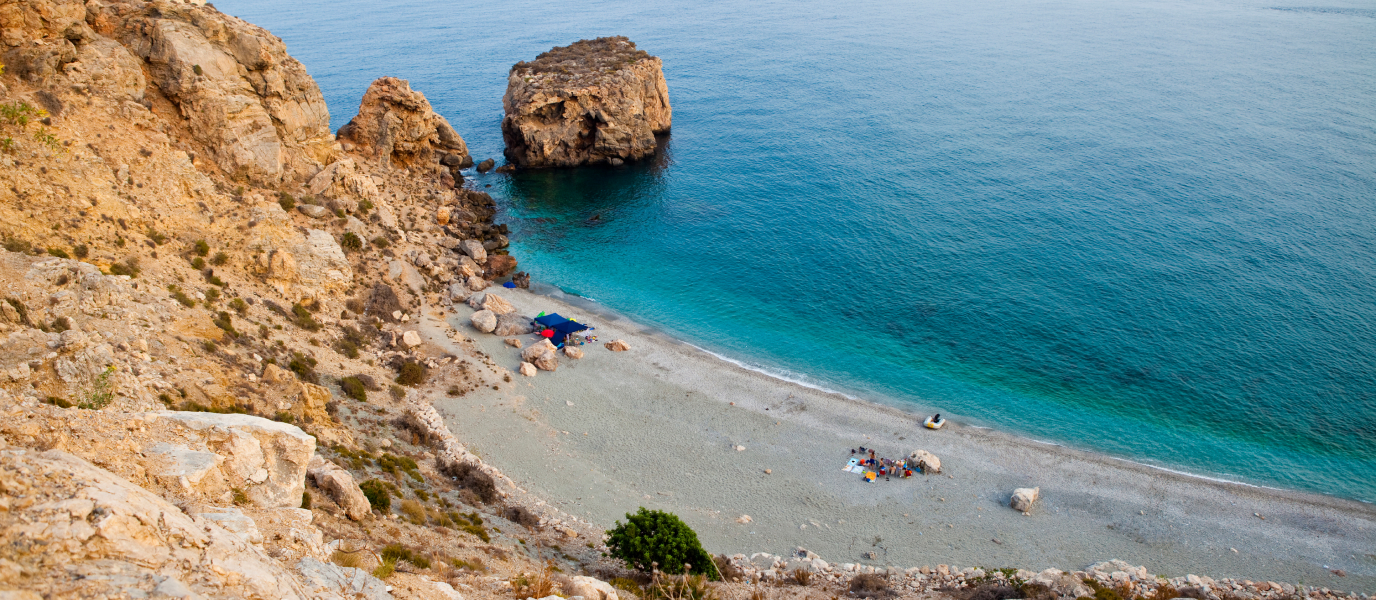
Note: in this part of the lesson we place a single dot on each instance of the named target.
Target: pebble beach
(755, 464)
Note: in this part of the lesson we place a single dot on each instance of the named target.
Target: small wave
(1334, 10)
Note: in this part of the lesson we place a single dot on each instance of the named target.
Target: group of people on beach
(882, 467)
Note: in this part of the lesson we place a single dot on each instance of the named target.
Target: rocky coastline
(223, 332)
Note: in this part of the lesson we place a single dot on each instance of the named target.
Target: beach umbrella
(549, 333)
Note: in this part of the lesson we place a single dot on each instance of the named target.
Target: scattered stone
(410, 339)
(743, 519)
(340, 485)
(617, 346)
(573, 352)
(474, 250)
(513, 342)
(486, 165)
(1023, 498)
(313, 211)
(527, 369)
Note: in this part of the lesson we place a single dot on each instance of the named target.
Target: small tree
(653, 537)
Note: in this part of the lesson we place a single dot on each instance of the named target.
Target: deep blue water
(1141, 227)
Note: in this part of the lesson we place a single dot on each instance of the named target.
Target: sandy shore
(657, 427)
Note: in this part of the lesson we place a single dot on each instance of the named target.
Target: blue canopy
(567, 327)
(550, 320)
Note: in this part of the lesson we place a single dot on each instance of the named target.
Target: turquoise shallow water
(1146, 228)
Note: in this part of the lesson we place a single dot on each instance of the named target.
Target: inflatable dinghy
(934, 424)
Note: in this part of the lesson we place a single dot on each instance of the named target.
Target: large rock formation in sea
(593, 101)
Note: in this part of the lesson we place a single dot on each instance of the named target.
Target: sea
(1145, 228)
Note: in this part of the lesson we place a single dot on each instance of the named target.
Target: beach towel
(870, 476)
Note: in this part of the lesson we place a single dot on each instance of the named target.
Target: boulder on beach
(410, 339)
(527, 369)
(513, 342)
(1023, 498)
(513, 324)
(592, 102)
(494, 303)
(617, 346)
(541, 354)
(573, 352)
(484, 321)
(926, 461)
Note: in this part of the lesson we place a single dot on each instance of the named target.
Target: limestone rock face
(395, 125)
(113, 538)
(591, 102)
(253, 108)
(266, 459)
(344, 181)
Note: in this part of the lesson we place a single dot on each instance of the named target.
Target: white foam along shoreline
(658, 426)
(602, 309)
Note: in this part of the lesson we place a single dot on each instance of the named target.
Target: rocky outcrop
(591, 102)
(396, 126)
(74, 530)
(255, 111)
(265, 459)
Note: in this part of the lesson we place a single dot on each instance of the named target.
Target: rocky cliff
(591, 102)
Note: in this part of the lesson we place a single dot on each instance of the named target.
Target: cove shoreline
(638, 448)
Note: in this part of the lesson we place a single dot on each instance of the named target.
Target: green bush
(306, 500)
(378, 496)
(652, 536)
(351, 242)
(81, 250)
(286, 201)
(58, 252)
(411, 373)
(201, 248)
(303, 318)
(353, 387)
(219, 259)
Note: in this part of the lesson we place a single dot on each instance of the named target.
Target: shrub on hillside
(378, 496)
(652, 537)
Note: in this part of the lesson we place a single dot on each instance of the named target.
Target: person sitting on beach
(937, 418)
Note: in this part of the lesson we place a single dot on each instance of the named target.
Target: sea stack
(592, 102)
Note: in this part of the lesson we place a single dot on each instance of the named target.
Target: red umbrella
(549, 333)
